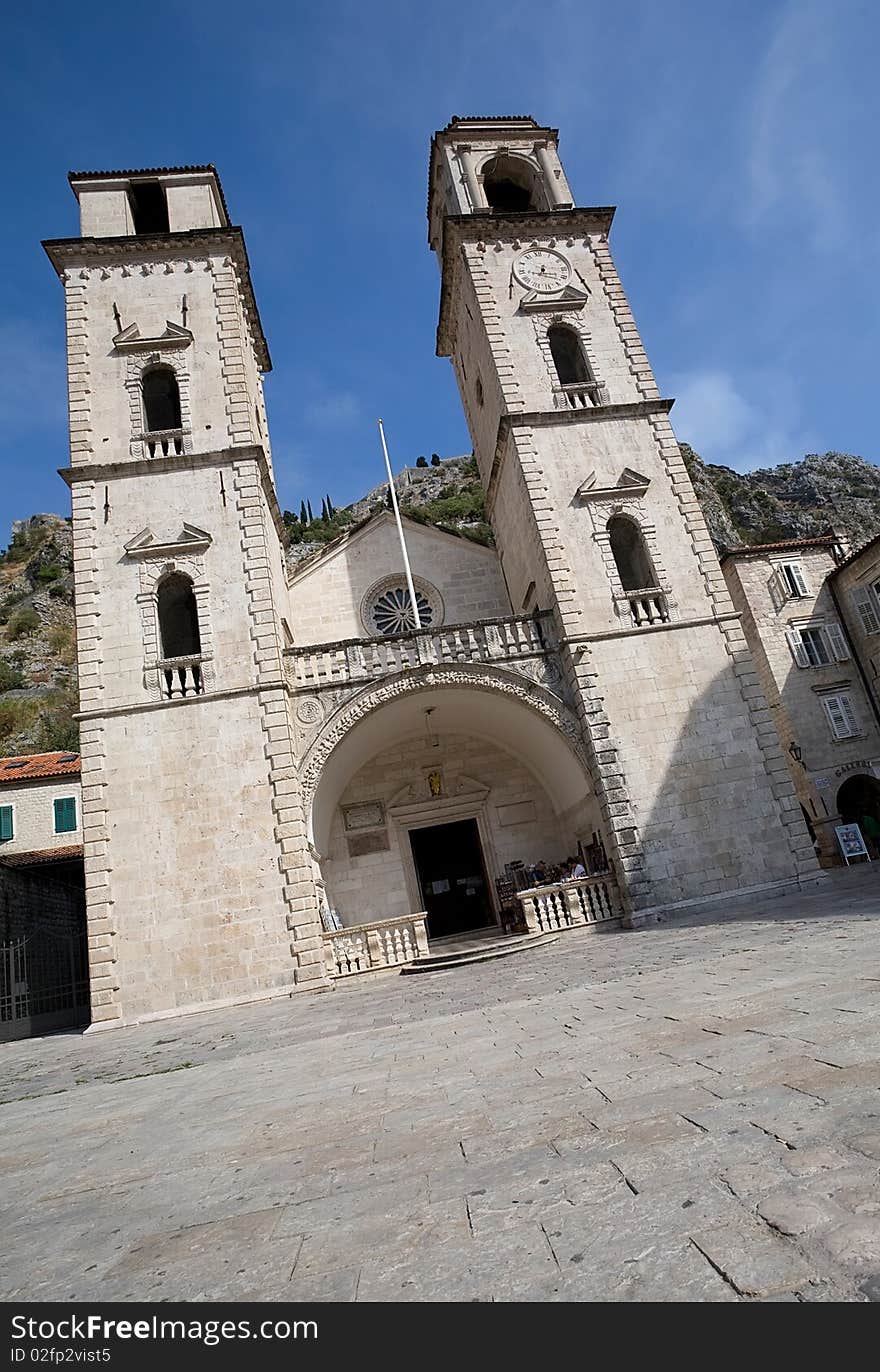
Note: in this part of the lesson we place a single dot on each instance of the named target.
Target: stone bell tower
(596, 519)
(198, 880)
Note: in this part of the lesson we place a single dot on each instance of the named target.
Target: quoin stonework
(284, 780)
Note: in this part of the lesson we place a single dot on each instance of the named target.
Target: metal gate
(44, 983)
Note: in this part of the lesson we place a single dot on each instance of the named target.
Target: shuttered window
(809, 647)
(65, 814)
(837, 639)
(794, 579)
(867, 610)
(6, 825)
(841, 716)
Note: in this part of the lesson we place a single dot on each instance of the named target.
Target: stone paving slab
(690, 1112)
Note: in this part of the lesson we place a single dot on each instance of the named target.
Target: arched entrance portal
(858, 802)
(431, 798)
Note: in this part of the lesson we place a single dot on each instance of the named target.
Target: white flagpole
(396, 508)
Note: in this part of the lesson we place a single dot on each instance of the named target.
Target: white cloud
(333, 410)
(743, 423)
(794, 153)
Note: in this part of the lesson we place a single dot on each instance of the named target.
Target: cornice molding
(68, 253)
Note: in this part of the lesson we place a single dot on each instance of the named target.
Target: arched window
(509, 183)
(634, 566)
(161, 400)
(179, 633)
(568, 355)
(178, 617)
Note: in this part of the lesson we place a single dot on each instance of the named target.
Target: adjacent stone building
(266, 754)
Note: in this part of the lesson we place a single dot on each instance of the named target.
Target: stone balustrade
(366, 659)
(648, 607)
(577, 395)
(163, 442)
(181, 676)
(370, 947)
(582, 900)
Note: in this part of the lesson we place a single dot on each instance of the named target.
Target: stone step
(480, 952)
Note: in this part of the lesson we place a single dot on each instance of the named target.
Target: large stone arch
(554, 750)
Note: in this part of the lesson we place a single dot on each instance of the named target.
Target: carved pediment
(630, 483)
(130, 340)
(572, 298)
(190, 540)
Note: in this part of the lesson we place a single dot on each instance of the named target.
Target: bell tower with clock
(596, 520)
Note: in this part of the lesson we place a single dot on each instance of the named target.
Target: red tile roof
(34, 765)
(749, 549)
(73, 852)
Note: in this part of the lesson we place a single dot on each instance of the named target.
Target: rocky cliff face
(37, 639)
(793, 500)
(37, 645)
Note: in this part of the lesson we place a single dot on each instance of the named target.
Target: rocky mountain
(37, 644)
(37, 638)
(793, 500)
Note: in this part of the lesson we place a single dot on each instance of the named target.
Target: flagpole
(409, 581)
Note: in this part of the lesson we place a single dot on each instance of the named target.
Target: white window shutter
(797, 576)
(835, 716)
(849, 714)
(779, 588)
(798, 651)
(867, 612)
(837, 639)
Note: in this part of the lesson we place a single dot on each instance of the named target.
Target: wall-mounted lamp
(432, 737)
(796, 752)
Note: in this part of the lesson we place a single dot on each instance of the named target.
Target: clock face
(542, 269)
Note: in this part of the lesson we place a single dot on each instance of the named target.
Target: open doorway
(452, 877)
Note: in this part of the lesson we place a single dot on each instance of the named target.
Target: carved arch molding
(350, 713)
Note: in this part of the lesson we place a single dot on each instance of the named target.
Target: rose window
(392, 611)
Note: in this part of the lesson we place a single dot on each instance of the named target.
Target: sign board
(851, 842)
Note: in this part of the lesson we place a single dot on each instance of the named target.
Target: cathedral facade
(285, 778)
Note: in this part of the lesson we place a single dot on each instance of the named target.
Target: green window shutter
(65, 815)
(5, 822)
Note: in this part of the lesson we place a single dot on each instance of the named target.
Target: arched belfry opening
(568, 355)
(179, 635)
(178, 617)
(511, 184)
(631, 556)
(161, 400)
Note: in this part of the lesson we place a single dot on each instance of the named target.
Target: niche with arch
(512, 185)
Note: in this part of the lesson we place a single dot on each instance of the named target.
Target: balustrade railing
(181, 676)
(582, 900)
(364, 659)
(164, 441)
(648, 606)
(370, 947)
(578, 395)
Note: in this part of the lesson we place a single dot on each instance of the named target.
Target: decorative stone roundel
(392, 611)
(309, 711)
(387, 608)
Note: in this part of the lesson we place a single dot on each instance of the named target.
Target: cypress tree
(302, 512)
(309, 508)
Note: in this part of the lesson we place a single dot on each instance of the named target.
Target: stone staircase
(447, 954)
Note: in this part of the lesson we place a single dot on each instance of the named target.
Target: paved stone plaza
(688, 1112)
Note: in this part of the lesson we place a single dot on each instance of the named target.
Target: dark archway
(161, 400)
(178, 617)
(634, 566)
(510, 184)
(568, 355)
(859, 796)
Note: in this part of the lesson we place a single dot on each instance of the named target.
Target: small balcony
(356, 660)
(578, 395)
(648, 606)
(181, 676)
(163, 442)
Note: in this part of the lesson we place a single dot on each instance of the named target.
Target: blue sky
(736, 139)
